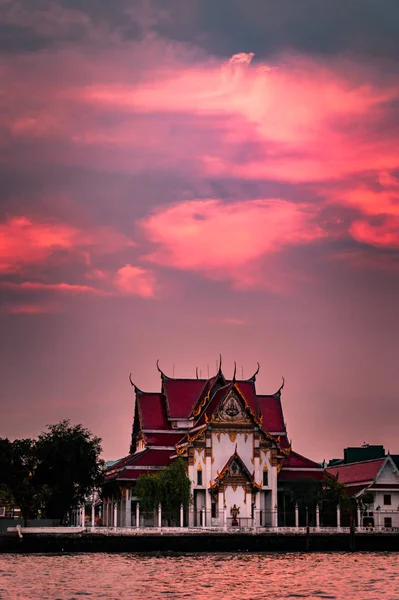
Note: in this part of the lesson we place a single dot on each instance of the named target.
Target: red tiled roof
(353, 490)
(152, 410)
(206, 389)
(297, 461)
(295, 475)
(361, 472)
(146, 458)
(131, 475)
(247, 388)
(182, 395)
(151, 457)
(119, 463)
(270, 408)
(163, 439)
(284, 443)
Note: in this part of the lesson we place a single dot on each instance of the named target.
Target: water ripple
(246, 576)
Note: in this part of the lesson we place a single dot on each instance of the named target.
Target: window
(2, 511)
(199, 477)
(387, 522)
(387, 499)
(265, 478)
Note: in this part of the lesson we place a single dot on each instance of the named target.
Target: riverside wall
(192, 542)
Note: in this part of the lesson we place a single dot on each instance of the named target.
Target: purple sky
(185, 178)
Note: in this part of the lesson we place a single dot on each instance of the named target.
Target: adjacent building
(375, 485)
(234, 443)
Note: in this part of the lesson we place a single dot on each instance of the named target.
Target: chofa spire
(163, 376)
(220, 365)
(136, 389)
(280, 388)
(253, 378)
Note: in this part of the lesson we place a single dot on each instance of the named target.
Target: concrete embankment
(240, 542)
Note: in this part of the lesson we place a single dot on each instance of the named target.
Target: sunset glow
(173, 191)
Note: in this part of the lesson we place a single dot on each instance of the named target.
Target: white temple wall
(388, 475)
(224, 445)
(379, 500)
(237, 497)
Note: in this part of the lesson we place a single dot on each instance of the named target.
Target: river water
(238, 576)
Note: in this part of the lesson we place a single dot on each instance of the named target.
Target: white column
(82, 516)
(317, 517)
(378, 518)
(257, 509)
(359, 518)
(296, 516)
(203, 516)
(191, 516)
(159, 515)
(128, 508)
(224, 517)
(137, 515)
(275, 517)
(115, 514)
(338, 517)
(93, 515)
(181, 515)
(273, 505)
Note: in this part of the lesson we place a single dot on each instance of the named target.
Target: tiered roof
(167, 419)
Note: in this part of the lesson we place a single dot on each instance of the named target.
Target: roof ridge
(359, 462)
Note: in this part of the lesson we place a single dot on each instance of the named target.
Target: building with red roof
(232, 439)
(378, 481)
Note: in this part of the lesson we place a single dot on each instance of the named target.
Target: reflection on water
(222, 576)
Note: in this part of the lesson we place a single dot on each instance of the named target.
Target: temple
(233, 441)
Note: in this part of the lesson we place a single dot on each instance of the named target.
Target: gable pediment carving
(231, 410)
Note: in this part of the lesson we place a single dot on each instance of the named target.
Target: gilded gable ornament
(231, 410)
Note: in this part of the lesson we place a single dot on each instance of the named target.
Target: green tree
(170, 488)
(18, 481)
(69, 466)
(334, 494)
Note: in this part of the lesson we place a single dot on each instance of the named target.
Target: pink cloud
(135, 281)
(37, 286)
(31, 309)
(308, 139)
(298, 111)
(27, 246)
(378, 223)
(385, 234)
(231, 321)
(173, 107)
(22, 241)
(221, 239)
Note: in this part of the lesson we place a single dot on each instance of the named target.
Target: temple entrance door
(199, 505)
(266, 517)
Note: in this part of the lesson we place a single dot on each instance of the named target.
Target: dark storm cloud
(267, 27)
(365, 28)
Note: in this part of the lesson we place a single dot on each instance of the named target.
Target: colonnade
(117, 513)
